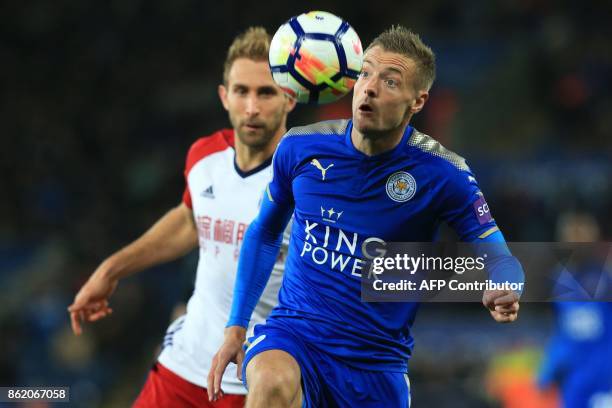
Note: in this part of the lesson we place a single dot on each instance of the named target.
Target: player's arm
(171, 237)
(468, 214)
(260, 248)
(261, 245)
(502, 266)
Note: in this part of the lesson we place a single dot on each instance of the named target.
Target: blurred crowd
(101, 100)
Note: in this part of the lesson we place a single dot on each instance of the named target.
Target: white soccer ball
(316, 57)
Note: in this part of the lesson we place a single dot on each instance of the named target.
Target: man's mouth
(253, 126)
(365, 107)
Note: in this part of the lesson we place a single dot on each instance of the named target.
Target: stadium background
(100, 101)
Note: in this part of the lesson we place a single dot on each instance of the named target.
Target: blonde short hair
(253, 44)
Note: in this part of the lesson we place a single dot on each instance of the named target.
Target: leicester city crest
(401, 186)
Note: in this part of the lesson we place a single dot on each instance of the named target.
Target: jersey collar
(245, 174)
(390, 153)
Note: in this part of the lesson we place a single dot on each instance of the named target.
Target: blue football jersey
(347, 204)
(579, 355)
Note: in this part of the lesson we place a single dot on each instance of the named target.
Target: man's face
(385, 94)
(257, 107)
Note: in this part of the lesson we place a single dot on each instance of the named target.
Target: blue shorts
(326, 381)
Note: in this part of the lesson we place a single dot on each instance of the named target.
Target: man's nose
(370, 87)
(252, 105)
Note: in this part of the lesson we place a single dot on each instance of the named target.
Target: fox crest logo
(319, 166)
(401, 186)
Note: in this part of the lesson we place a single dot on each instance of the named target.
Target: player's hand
(231, 350)
(91, 302)
(502, 304)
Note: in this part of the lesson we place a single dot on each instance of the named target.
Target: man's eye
(267, 93)
(363, 74)
(390, 82)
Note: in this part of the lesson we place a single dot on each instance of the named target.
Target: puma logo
(318, 165)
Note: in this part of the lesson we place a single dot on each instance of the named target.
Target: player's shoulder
(325, 128)
(215, 142)
(207, 145)
(434, 152)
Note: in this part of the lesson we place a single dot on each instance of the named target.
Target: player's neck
(249, 158)
(376, 143)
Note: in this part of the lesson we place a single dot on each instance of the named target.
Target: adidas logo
(208, 193)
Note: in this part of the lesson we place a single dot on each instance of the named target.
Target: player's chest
(392, 195)
(221, 194)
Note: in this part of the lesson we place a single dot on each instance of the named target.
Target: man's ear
(290, 104)
(222, 90)
(419, 102)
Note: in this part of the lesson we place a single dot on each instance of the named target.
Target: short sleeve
(187, 196)
(201, 148)
(188, 165)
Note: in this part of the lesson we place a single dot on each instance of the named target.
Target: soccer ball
(316, 57)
